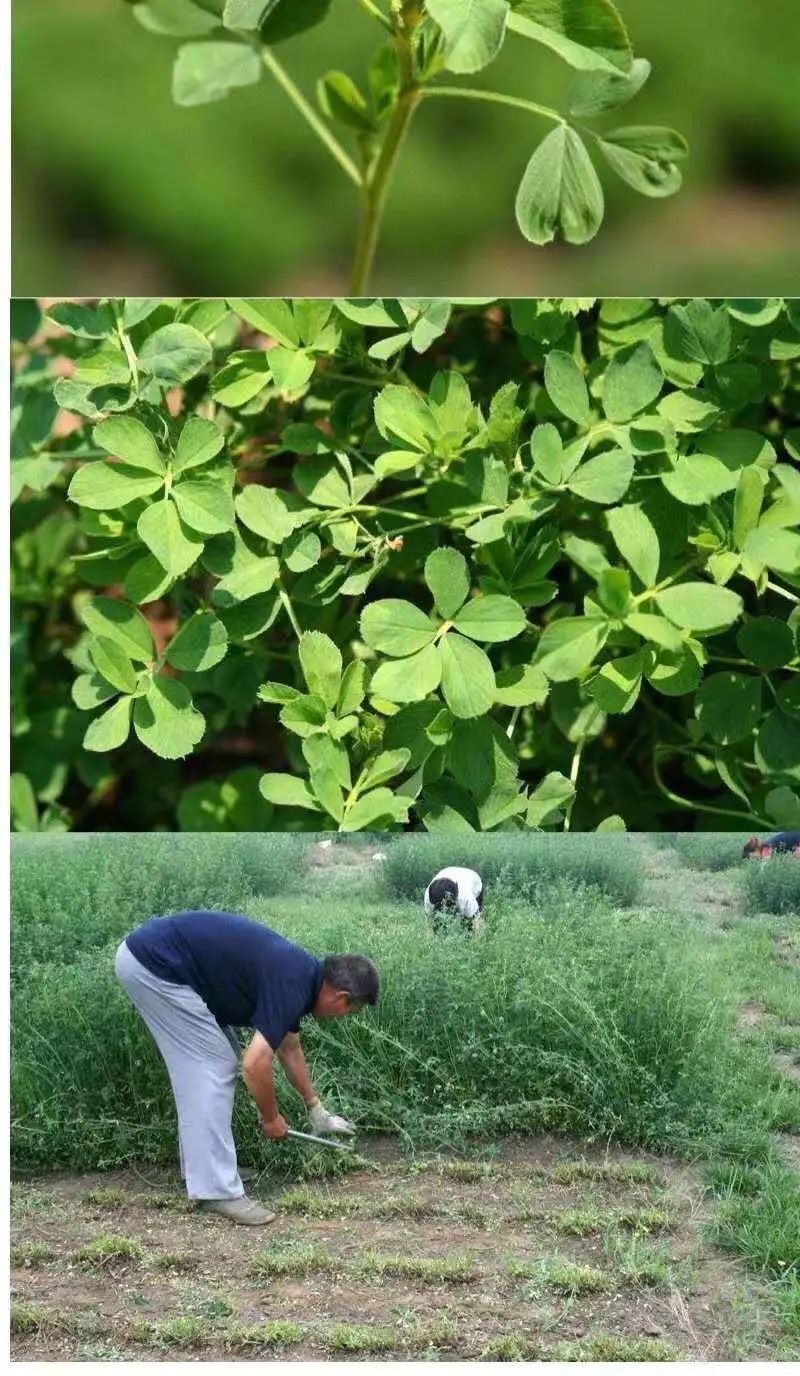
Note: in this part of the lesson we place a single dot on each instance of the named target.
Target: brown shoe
(241, 1210)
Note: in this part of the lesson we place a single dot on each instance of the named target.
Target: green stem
(573, 778)
(708, 808)
(375, 184)
(512, 725)
(290, 612)
(375, 13)
(310, 115)
(495, 98)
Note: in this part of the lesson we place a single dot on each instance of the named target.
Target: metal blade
(320, 1141)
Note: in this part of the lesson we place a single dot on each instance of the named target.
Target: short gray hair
(356, 976)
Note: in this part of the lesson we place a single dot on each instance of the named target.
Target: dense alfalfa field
(579, 1132)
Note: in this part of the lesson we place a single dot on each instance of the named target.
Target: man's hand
(327, 1124)
(276, 1127)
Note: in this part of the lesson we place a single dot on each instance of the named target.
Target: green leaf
(146, 580)
(616, 687)
(491, 619)
(766, 642)
(377, 807)
(568, 646)
(698, 479)
(473, 30)
(775, 549)
(23, 805)
(304, 715)
(341, 100)
(566, 388)
(250, 577)
(201, 643)
(83, 320)
(266, 512)
(246, 373)
(588, 34)
(353, 688)
(109, 731)
(728, 706)
(210, 70)
(104, 486)
(124, 625)
(467, 677)
(323, 482)
(272, 316)
(549, 800)
(604, 479)
(111, 661)
(291, 369)
(287, 18)
(523, 685)
(632, 382)
(178, 18)
(385, 766)
(198, 443)
(560, 191)
(396, 628)
(129, 440)
(205, 505)
(593, 92)
(700, 607)
(402, 414)
(245, 14)
(783, 806)
(447, 576)
(321, 662)
(657, 629)
(287, 791)
(174, 354)
(646, 159)
(410, 679)
(747, 505)
(675, 675)
(90, 691)
(107, 366)
(778, 745)
(614, 592)
(161, 530)
(166, 721)
(699, 331)
(636, 539)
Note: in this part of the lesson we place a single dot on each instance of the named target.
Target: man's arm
(290, 1055)
(257, 1072)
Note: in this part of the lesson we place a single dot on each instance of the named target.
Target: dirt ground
(547, 1249)
(541, 1248)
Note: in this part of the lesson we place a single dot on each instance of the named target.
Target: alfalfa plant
(516, 565)
(228, 44)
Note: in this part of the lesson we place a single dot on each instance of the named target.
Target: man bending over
(194, 978)
(455, 894)
(780, 843)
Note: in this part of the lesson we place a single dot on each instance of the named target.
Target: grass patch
(185, 1331)
(353, 1337)
(320, 1205)
(637, 1262)
(292, 1258)
(762, 1222)
(608, 1347)
(172, 1203)
(452, 1269)
(708, 850)
(584, 1222)
(511, 1347)
(25, 1202)
(28, 1320)
(105, 1198)
(277, 1333)
(523, 864)
(31, 1255)
(565, 1277)
(773, 886)
(108, 1250)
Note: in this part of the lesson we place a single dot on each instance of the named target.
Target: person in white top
(455, 892)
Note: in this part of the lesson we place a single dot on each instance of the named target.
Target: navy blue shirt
(246, 974)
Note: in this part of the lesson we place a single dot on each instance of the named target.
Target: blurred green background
(116, 190)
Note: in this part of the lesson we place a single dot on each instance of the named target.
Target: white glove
(326, 1124)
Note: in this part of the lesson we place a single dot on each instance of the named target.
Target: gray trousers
(202, 1061)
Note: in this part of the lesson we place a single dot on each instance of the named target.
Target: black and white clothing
(457, 891)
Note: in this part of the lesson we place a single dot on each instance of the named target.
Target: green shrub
(709, 850)
(518, 865)
(70, 894)
(763, 1226)
(773, 885)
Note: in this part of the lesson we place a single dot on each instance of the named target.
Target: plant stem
(290, 612)
(310, 115)
(573, 778)
(692, 806)
(782, 592)
(375, 191)
(495, 98)
(375, 13)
